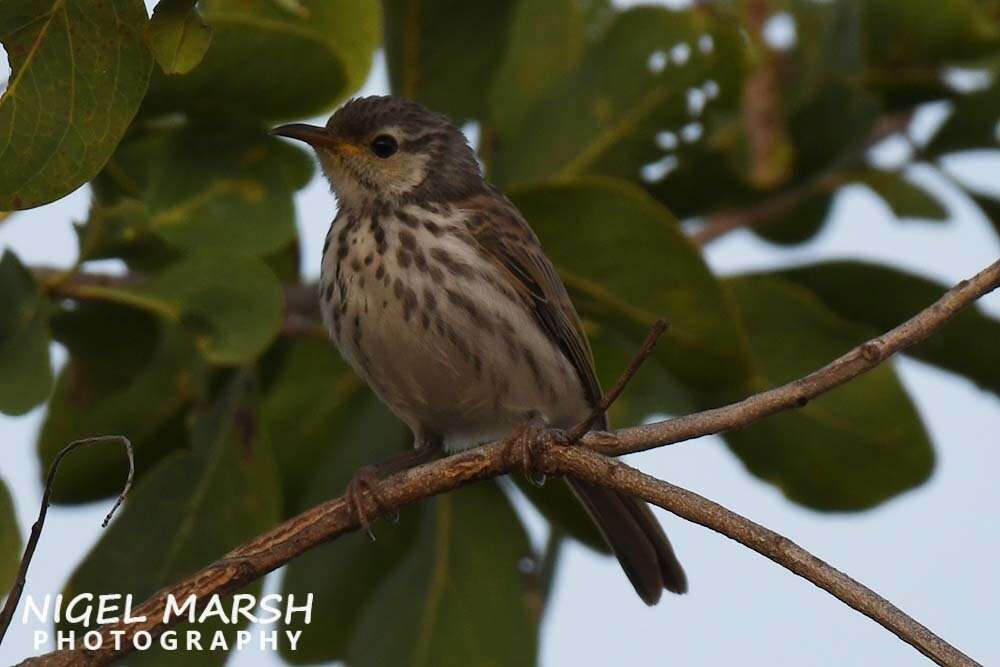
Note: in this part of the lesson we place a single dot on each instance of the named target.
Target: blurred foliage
(24, 339)
(615, 131)
(10, 539)
(189, 510)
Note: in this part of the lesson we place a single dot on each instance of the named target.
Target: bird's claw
(533, 437)
(367, 479)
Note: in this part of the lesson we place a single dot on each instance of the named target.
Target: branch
(302, 316)
(580, 463)
(333, 518)
(799, 392)
(770, 147)
(764, 210)
(14, 597)
(760, 212)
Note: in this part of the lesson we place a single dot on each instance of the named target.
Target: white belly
(424, 324)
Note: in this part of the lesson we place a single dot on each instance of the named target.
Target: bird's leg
(369, 478)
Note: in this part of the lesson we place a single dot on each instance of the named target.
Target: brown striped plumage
(440, 296)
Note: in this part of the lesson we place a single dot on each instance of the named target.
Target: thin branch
(14, 597)
(760, 212)
(302, 318)
(333, 518)
(799, 392)
(547, 566)
(581, 463)
(771, 153)
(780, 203)
(577, 432)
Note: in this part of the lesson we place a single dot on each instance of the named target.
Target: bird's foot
(366, 479)
(530, 439)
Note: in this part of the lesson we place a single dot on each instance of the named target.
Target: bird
(437, 292)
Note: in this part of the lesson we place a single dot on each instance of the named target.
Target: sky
(931, 551)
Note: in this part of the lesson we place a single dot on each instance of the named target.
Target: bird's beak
(317, 137)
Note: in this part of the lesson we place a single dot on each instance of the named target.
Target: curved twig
(14, 597)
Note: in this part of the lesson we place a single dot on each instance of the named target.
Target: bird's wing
(506, 238)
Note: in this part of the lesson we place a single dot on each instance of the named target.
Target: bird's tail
(636, 538)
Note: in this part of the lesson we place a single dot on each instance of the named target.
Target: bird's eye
(383, 145)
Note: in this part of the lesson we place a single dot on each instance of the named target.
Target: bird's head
(393, 150)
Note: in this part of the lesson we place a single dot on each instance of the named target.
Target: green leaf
(10, 539)
(177, 36)
(838, 117)
(203, 187)
(79, 71)
(906, 199)
(25, 370)
(232, 303)
(218, 188)
(547, 41)
(458, 598)
(800, 223)
(445, 54)
(127, 374)
(828, 45)
(122, 230)
(321, 411)
(972, 123)
(344, 576)
(269, 63)
(989, 206)
(881, 298)
(194, 507)
(706, 180)
(847, 450)
(927, 32)
(627, 263)
(604, 117)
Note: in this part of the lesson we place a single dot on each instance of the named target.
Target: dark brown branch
(14, 597)
(328, 521)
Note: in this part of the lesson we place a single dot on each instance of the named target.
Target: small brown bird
(439, 295)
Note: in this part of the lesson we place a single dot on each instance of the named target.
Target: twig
(333, 518)
(764, 210)
(302, 318)
(799, 392)
(578, 431)
(547, 566)
(769, 146)
(14, 597)
(580, 463)
(760, 212)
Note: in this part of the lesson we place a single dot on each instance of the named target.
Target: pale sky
(932, 551)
